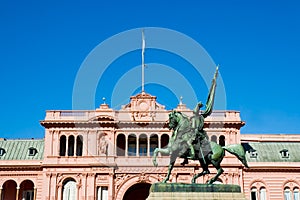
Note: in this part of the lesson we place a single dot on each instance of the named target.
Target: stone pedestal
(179, 191)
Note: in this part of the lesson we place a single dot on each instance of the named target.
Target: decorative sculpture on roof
(190, 141)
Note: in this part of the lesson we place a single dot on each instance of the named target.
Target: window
(284, 153)
(296, 194)
(79, 144)
(253, 153)
(143, 145)
(262, 193)
(164, 143)
(287, 194)
(121, 142)
(254, 194)
(102, 193)
(27, 195)
(2, 151)
(69, 190)
(131, 145)
(71, 145)
(222, 140)
(214, 138)
(153, 143)
(62, 145)
(32, 151)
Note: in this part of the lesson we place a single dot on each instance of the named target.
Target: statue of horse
(178, 147)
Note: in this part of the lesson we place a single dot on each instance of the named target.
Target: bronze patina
(189, 140)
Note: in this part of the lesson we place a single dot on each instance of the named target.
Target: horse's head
(173, 119)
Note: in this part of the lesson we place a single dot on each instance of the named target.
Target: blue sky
(257, 44)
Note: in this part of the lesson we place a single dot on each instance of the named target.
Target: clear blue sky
(257, 44)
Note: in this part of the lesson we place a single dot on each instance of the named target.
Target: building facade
(107, 154)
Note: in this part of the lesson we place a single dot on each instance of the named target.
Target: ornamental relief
(137, 170)
(120, 179)
(102, 179)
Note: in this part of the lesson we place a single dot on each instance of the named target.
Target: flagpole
(143, 61)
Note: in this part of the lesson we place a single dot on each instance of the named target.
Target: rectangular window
(102, 193)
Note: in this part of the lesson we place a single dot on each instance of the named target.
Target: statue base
(179, 191)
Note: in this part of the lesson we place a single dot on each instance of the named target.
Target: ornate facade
(106, 154)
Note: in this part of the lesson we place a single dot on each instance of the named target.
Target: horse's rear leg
(200, 174)
(219, 171)
(204, 172)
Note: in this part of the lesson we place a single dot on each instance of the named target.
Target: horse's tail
(237, 150)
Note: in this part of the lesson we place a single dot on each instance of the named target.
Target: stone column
(77, 194)
(159, 143)
(59, 191)
(34, 193)
(90, 186)
(17, 193)
(111, 186)
(126, 145)
(137, 146)
(52, 186)
(67, 145)
(75, 146)
(56, 143)
(148, 146)
(1, 193)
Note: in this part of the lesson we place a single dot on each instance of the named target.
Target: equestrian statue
(189, 140)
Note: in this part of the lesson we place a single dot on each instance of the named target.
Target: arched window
(69, 190)
(287, 194)
(26, 190)
(263, 194)
(9, 190)
(71, 145)
(222, 140)
(153, 143)
(214, 138)
(79, 144)
(296, 194)
(164, 142)
(62, 145)
(121, 143)
(143, 145)
(253, 195)
(131, 145)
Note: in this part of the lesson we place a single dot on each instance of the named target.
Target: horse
(178, 147)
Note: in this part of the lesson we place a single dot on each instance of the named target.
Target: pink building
(106, 154)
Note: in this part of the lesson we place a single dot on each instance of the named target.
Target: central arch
(139, 191)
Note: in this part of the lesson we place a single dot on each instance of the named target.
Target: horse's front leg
(171, 165)
(156, 151)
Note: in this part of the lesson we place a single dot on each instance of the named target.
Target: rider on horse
(198, 135)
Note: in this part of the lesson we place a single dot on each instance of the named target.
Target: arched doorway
(139, 191)
(9, 190)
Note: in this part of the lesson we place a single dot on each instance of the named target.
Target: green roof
(19, 149)
(272, 152)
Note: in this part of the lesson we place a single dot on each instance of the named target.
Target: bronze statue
(190, 141)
